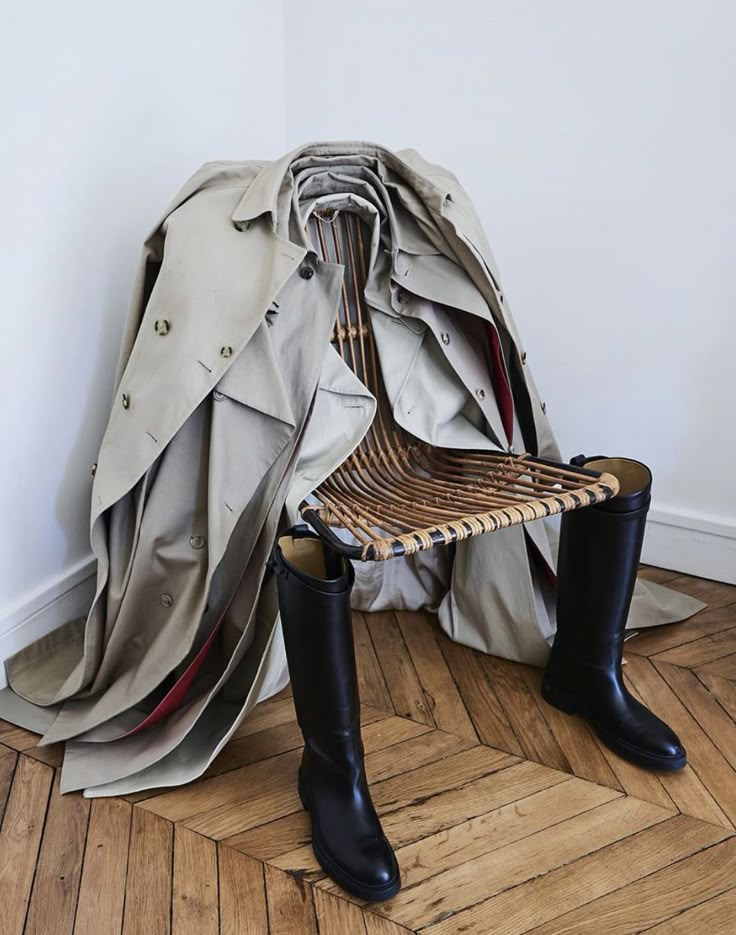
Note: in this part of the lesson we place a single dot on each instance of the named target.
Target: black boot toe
(643, 739)
(368, 868)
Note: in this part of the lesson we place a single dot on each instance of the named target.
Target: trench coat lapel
(167, 377)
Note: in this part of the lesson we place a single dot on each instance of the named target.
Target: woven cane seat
(395, 493)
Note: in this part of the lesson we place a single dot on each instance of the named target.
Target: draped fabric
(230, 405)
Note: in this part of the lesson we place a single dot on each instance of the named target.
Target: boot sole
(373, 894)
(569, 705)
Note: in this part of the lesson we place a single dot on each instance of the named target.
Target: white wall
(598, 142)
(105, 109)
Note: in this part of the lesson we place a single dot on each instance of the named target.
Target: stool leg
(314, 585)
(600, 548)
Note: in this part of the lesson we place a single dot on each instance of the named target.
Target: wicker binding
(398, 495)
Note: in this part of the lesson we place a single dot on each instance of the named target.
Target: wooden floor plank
(693, 789)
(59, 870)
(427, 815)
(590, 759)
(8, 761)
(498, 828)
(452, 772)
(580, 747)
(517, 689)
(420, 632)
(706, 649)
(486, 711)
(378, 925)
(656, 898)
(336, 916)
(280, 738)
(195, 888)
(704, 708)
(724, 668)
(723, 690)
(443, 895)
(53, 755)
(429, 747)
(402, 681)
(18, 738)
(257, 778)
(246, 801)
(242, 894)
(716, 916)
(371, 682)
(659, 639)
(658, 575)
(20, 839)
(537, 904)
(290, 905)
(581, 751)
(104, 869)
(148, 890)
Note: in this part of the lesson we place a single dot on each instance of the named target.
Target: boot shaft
(314, 585)
(598, 559)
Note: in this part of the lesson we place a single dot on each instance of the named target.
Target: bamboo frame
(398, 495)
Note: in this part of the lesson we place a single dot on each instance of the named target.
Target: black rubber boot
(598, 559)
(314, 585)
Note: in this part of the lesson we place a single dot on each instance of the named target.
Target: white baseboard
(36, 613)
(691, 544)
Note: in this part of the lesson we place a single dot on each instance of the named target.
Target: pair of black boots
(598, 559)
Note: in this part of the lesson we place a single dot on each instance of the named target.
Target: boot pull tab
(580, 460)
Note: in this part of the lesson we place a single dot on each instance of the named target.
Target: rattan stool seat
(397, 494)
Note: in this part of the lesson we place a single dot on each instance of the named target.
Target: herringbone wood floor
(507, 816)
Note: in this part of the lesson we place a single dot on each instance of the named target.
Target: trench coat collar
(261, 196)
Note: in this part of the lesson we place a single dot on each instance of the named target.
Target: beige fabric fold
(230, 406)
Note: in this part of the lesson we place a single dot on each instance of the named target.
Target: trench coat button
(197, 542)
(480, 393)
(167, 600)
(226, 351)
(306, 272)
(93, 471)
(218, 395)
(445, 337)
(126, 401)
(161, 326)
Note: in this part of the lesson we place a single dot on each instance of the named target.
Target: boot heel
(302, 792)
(559, 699)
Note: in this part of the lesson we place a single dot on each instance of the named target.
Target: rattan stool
(398, 495)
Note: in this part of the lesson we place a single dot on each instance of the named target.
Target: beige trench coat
(230, 406)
